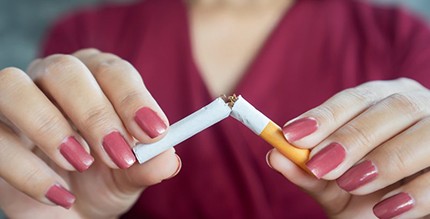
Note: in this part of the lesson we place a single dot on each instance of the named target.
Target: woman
(69, 126)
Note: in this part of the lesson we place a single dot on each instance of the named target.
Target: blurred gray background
(23, 22)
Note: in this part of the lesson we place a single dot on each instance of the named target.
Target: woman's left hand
(370, 150)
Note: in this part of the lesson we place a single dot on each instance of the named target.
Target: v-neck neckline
(255, 60)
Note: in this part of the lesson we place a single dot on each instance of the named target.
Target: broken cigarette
(207, 116)
(261, 125)
(214, 112)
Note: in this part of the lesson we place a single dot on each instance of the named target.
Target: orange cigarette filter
(261, 125)
(273, 135)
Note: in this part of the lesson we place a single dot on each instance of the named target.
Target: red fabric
(319, 48)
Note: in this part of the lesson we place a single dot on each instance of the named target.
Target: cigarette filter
(247, 114)
(214, 112)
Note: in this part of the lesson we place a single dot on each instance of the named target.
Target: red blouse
(318, 48)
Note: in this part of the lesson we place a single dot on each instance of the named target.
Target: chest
(225, 41)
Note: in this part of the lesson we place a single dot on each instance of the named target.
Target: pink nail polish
(73, 151)
(326, 160)
(358, 175)
(118, 150)
(394, 206)
(150, 122)
(300, 129)
(60, 196)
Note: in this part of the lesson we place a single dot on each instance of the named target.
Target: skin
(103, 106)
(372, 107)
(398, 112)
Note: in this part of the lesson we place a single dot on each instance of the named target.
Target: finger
(377, 124)
(23, 104)
(163, 167)
(335, 201)
(124, 87)
(331, 197)
(396, 159)
(310, 128)
(409, 201)
(72, 86)
(27, 173)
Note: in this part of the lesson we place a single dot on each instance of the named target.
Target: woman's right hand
(66, 131)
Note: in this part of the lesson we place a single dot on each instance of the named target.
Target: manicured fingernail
(267, 158)
(326, 160)
(73, 151)
(358, 175)
(118, 150)
(300, 129)
(150, 122)
(60, 196)
(177, 170)
(394, 206)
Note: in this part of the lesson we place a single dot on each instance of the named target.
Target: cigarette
(261, 125)
(219, 109)
(207, 116)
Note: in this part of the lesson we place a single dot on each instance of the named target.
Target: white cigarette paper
(214, 112)
(247, 114)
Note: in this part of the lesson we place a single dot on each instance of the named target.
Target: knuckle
(327, 113)
(58, 67)
(46, 124)
(87, 51)
(363, 93)
(10, 75)
(95, 117)
(85, 54)
(31, 177)
(357, 93)
(131, 98)
(33, 65)
(357, 135)
(407, 103)
(9, 71)
(399, 159)
(111, 64)
(12, 80)
(58, 63)
(61, 59)
(374, 85)
(409, 83)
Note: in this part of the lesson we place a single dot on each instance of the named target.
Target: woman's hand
(67, 106)
(370, 150)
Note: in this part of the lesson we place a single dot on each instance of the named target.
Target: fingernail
(394, 206)
(73, 151)
(177, 170)
(326, 160)
(118, 150)
(150, 122)
(60, 196)
(300, 129)
(267, 158)
(358, 175)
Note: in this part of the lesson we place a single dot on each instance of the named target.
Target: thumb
(327, 193)
(139, 176)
